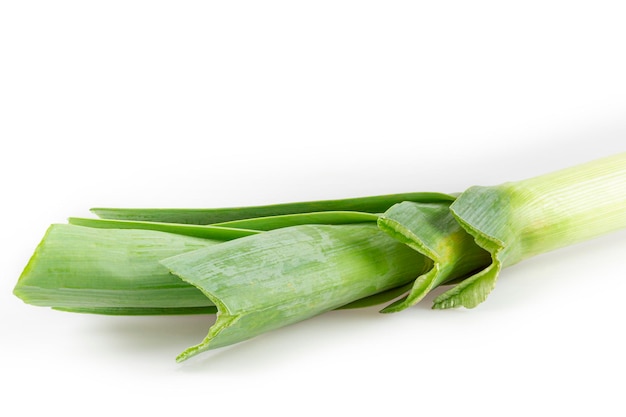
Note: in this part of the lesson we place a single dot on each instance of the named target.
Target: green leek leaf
(287, 220)
(219, 233)
(273, 279)
(76, 267)
(431, 230)
(374, 204)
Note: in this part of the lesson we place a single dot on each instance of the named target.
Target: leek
(264, 267)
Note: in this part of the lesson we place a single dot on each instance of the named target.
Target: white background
(195, 104)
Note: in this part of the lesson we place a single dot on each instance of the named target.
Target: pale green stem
(517, 220)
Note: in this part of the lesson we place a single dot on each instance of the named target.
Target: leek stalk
(264, 267)
(517, 220)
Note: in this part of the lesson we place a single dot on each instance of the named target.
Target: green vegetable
(265, 267)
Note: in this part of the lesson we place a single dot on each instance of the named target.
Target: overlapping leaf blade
(270, 280)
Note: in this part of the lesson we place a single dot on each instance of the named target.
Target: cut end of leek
(83, 268)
